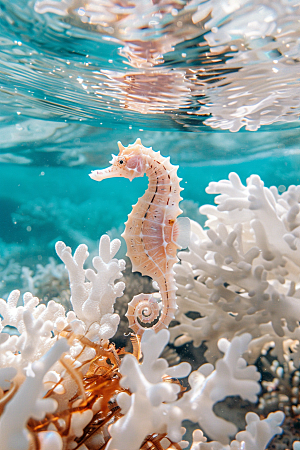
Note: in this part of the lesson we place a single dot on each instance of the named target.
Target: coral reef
(240, 274)
(38, 341)
(64, 385)
(163, 412)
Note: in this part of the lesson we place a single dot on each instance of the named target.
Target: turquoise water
(74, 81)
(216, 89)
(41, 204)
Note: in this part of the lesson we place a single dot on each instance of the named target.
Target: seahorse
(153, 233)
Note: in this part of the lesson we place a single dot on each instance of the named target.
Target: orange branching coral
(159, 442)
(98, 382)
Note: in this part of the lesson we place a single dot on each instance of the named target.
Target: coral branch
(28, 401)
(154, 401)
(241, 273)
(93, 300)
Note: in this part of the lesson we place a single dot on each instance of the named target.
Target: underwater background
(76, 77)
(214, 85)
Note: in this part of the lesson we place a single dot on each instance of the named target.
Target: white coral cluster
(153, 406)
(239, 276)
(256, 436)
(28, 403)
(93, 292)
(31, 345)
(241, 273)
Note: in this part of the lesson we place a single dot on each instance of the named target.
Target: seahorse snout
(102, 174)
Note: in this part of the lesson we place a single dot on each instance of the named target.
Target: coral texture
(29, 354)
(14, 435)
(93, 300)
(64, 386)
(241, 272)
(156, 404)
(256, 436)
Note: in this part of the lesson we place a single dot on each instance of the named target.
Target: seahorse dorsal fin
(181, 232)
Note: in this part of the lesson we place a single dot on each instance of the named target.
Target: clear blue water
(73, 83)
(41, 204)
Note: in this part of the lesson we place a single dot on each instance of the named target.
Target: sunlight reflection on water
(190, 65)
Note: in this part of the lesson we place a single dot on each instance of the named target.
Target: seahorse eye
(122, 162)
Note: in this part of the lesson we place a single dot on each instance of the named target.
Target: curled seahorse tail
(144, 309)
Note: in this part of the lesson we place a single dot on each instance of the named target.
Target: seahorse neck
(157, 168)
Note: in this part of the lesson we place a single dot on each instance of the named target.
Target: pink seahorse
(153, 234)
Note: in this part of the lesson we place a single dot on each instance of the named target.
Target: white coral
(34, 324)
(240, 274)
(154, 404)
(231, 376)
(27, 354)
(93, 300)
(257, 435)
(150, 402)
(29, 402)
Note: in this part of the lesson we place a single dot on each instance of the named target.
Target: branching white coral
(155, 402)
(36, 324)
(34, 345)
(93, 300)
(231, 376)
(240, 274)
(257, 435)
(28, 402)
(150, 401)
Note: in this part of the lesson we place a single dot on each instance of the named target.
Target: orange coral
(96, 391)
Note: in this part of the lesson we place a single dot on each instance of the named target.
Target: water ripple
(36, 142)
(185, 65)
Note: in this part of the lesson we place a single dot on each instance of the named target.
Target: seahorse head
(131, 162)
